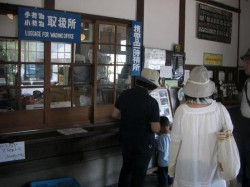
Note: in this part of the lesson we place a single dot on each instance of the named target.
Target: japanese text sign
(212, 59)
(47, 25)
(136, 48)
(12, 151)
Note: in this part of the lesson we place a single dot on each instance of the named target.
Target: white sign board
(12, 151)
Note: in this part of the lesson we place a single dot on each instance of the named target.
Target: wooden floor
(151, 181)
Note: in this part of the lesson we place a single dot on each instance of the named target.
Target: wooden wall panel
(70, 116)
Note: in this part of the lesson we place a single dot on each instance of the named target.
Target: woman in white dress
(194, 147)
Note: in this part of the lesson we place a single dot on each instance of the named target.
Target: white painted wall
(33, 3)
(195, 48)
(244, 28)
(161, 23)
(8, 27)
(124, 9)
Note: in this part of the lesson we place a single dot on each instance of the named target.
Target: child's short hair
(164, 121)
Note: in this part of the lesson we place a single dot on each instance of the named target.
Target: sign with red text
(212, 59)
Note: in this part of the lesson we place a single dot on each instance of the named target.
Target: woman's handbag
(228, 153)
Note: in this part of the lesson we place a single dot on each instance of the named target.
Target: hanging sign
(136, 48)
(47, 25)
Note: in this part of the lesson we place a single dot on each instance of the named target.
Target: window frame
(54, 118)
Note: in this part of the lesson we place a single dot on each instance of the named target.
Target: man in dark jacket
(139, 115)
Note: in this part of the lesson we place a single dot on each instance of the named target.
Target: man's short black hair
(146, 85)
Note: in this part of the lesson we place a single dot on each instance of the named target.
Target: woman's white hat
(150, 77)
(199, 85)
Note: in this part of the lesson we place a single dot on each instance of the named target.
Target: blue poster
(47, 25)
(136, 48)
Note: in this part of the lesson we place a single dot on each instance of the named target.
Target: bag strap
(245, 88)
(220, 114)
(223, 117)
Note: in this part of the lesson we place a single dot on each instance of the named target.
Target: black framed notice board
(214, 24)
(156, 58)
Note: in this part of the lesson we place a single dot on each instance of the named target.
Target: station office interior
(43, 102)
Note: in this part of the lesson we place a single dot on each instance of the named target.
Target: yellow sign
(212, 59)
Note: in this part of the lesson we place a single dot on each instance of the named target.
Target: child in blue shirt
(163, 143)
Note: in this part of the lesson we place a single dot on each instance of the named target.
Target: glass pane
(11, 74)
(32, 98)
(105, 95)
(54, 47)
(123, 35)
(84, 53)
(8, 50)
(87, 32)
(8, 74)
(123, 55)
(120, 88)
(123, 74)
(82, 75)
(60, 75)
(40, 47)
(106, 34)
(68, 48)
(12, 55)
(32, 74)
(60, 48)
(83, 96)
(60, 52)
(105, 50)
(32, 51)
(8, 101)
(60, 97)
(105, 74)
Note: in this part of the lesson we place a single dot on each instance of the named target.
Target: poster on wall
(47, 25)
(214, 24)
(177, 61)
(163, 98)
(154, 58)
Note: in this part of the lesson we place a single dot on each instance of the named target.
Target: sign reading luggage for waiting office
(214, 24)
(47, 25)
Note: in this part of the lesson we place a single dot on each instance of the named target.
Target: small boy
(163, 143)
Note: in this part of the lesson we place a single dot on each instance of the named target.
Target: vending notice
(12, 151)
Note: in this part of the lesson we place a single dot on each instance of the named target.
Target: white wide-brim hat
(150, 77)
(199, 85)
